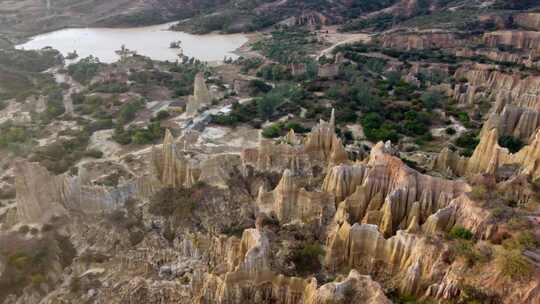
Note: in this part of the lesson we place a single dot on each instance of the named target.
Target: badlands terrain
(355, 152)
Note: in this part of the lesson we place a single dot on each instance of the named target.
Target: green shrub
(512, 264)
(38, 279)
(55, 103)
(110, 87)
(285, 45)
(467, 141)
(258, 86)
(431, 99)
(307, 258)
(129, 111)
(297, 127)
(459, 232)
(152, 133)
(527, 240)
(478, 192)
(162, 115)
(523, 240)
(85, 69)
(513, 144)
(94, 153)
(272, 131)
(466, 250)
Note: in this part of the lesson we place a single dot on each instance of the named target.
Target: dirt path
(338, 39)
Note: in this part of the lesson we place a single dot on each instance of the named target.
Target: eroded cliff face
(521, 40)
(171, 167)
(201, 96)
(290, 202)
(514, 121)
(41, 195)
(387, 193)
(355, 288)
(483, 81)
(411, 261)
(420, 41)
(528, 20)
(319, 148)
(388, 224)
(489, 156)
(38, 193)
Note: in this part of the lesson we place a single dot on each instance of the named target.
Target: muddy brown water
(151, 41)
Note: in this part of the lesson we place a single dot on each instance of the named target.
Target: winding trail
(353, 38)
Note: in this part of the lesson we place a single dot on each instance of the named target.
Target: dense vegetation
(85, 69)
(286, 44)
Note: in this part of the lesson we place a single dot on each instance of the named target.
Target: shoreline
(244, 40)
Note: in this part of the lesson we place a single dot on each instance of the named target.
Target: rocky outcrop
(389, 194)
(250, 280)
(419, 40)
(271, 156)
(529, 21)
(514, 121)
(489, 156)
(249, 277)
(526, 59)
(411, 261)
(41, 195)
(322, 143)
(201, 96)
(241, 287)
(289, 202)
(522, 40)
(321, 147)
(171, 167)
(355, 288)
(485, 82)
(449, 162)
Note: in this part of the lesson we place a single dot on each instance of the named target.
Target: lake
(151, 41)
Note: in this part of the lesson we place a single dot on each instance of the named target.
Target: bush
(376, 130)
(162, 115)
(478, 192)
(110, 87)
(298, 128)
(176, 203)
(129, 111)
(431, 99)
(94, 153)
(152, 133)
(272, 131)
(55, 103)
(527, 240)
(84, 70)
(307, 258)
(511, 143)
(465, 249)
(75, 284)
(258, 86)
(459, 232)
(522, 241)
(512, 264)
(38, 279)
(467, 140)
